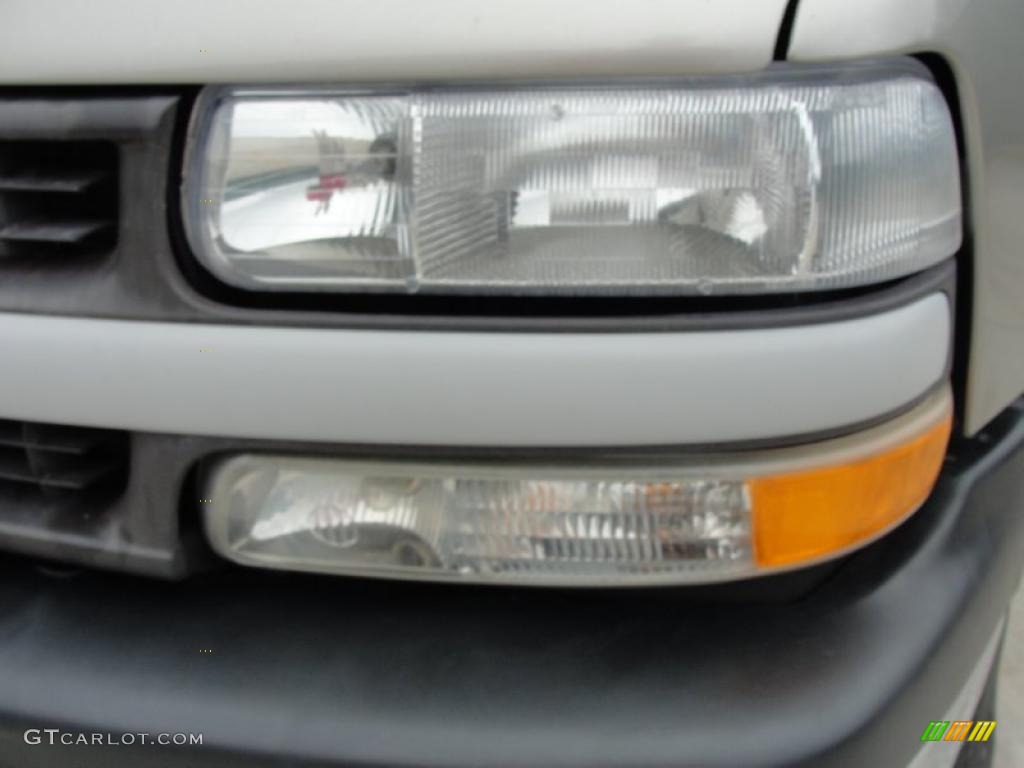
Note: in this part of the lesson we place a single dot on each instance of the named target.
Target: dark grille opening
(57, 198)
(61, 464)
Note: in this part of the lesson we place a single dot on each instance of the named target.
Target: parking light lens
(682, 521)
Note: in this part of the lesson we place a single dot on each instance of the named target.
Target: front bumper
(309, 670)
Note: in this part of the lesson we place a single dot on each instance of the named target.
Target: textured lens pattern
(655, 190)
(720, 187)
(491, 527)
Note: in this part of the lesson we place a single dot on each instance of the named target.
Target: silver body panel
(198, 41)
(466, 389)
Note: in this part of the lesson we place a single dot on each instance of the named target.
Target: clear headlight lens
(688, 522)
(792, 180)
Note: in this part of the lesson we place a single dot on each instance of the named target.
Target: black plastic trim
(314, 671)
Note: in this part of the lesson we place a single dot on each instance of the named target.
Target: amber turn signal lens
(805, 516)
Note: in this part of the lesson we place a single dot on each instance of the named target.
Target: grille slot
(57, 197)
(62, 461)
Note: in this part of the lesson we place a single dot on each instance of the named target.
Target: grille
(57, 197)
(60, 461)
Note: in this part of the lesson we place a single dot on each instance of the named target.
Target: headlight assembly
(792, 180)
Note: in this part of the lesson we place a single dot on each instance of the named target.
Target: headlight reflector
(791, 180)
